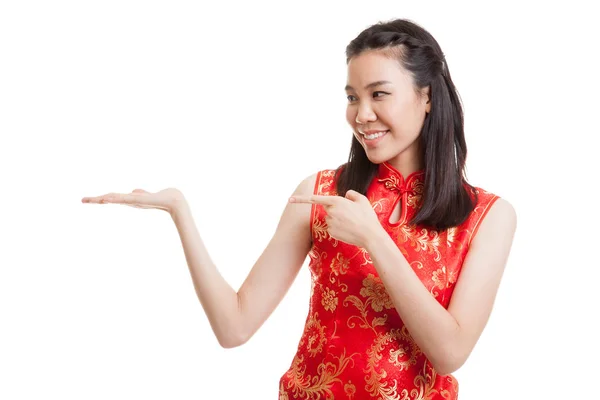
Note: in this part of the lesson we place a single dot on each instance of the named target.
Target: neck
(406, 167)
(410, 160)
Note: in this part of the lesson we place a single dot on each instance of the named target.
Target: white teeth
(374, 135)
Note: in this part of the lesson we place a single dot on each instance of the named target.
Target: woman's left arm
(447, 336)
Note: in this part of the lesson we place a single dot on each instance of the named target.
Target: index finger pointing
(315, 199)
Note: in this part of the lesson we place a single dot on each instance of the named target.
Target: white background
(234, 104)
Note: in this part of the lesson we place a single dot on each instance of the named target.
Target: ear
(426, 98)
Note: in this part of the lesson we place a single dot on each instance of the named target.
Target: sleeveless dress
(354, 344)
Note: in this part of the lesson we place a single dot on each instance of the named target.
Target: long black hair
(447, 198)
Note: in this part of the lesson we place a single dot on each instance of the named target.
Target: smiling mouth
(371, 139)
(375, 135)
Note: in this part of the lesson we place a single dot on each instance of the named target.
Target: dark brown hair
(447, 198)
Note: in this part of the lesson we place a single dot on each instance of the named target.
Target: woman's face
(385, 111)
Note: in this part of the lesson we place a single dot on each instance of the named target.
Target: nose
(365, 114)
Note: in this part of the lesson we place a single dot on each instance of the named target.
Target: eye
(351, 98)
(379, 94)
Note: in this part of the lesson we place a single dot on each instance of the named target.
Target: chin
(377, 158)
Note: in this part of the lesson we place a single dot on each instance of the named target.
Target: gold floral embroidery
(350, 389)
(402, 354)
(379, 205)
(321, 233)
(328, 173)
(317, 258)
(392, 182)
(446, 394)
(327, 184)
(340, 265)
(366, 258)
(313, 387)
(282, 393)
(414, 188)
(454, 237)
(452, 277)
(324, 187)
(375, 291)
(439, 278)
(377, 298)
(421, 240)
(329, 300)
(416, 265)
(442, 279)
(451, 235)
(314, 335)
(414, 201)
(415, 194)
(424, 383)
(363, 309)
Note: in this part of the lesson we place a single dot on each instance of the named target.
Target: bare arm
(458, 328)
(447, 337)
(235, 317)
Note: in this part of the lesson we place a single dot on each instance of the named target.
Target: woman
(406, 257)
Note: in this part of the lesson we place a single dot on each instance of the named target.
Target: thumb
(354, 195)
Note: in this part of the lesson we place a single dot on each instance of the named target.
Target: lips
(375, 135)
(372, 138)
(372, 131)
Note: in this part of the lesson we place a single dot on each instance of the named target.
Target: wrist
(179, 208)
(375, 238)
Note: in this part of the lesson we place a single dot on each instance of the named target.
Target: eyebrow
(370, 85)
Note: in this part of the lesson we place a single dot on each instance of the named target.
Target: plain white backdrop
(234, 103)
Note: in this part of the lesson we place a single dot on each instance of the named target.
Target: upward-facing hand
(350, 219)
(166, 199)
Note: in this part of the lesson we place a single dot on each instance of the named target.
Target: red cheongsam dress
(354, 344)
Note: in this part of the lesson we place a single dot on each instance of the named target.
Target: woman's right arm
(235, 317)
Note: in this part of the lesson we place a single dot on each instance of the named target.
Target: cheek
(350, 116)
(387, 111)
(398, 115)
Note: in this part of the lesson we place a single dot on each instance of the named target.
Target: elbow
(448, 362)
(232, 340)
(233, 333)
(446, 368)
(228, 344)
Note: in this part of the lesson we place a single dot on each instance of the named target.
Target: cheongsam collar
(393, 180)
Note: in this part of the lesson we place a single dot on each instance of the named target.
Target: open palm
(166, 199)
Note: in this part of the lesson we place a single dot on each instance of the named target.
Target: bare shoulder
(499, 223)
(307, 185)
(503, 213)
(298, 215)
